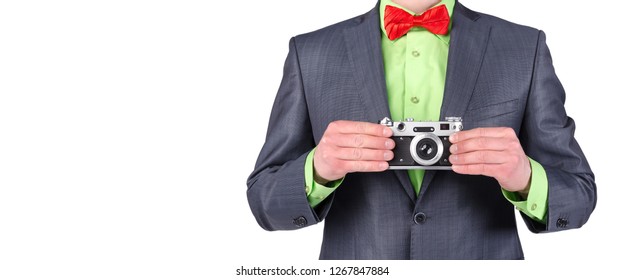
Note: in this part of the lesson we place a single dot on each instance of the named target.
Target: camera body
(422, 145)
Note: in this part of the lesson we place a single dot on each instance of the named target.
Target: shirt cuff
(536, 204)
(316, 192)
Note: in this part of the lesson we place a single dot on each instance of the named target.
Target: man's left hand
(494, 152)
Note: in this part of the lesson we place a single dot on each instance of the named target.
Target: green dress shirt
(422, 56)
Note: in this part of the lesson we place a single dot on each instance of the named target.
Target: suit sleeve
(547, 136)
(276, 189)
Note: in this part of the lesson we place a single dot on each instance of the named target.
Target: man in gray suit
(326, 158)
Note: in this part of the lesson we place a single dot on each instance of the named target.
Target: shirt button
(420, 218)
(534, 206)
(415, 100)
(307, 189)
(415, 54)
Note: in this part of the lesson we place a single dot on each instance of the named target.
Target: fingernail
(387, 132)
(453, 138)
(387, 155)
(383, 165)
(389, 144)
(453, 159)
(453, 148)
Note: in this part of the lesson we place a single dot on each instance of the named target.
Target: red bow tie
(398, 22)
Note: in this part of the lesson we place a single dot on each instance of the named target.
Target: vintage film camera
(422, 145)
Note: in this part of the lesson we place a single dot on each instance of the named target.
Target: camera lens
(426, 149)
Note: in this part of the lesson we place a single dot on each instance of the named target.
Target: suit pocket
(491, 111)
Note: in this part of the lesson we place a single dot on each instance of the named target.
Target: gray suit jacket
(499, 74)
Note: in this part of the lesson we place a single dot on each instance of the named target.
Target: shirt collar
(450, 4)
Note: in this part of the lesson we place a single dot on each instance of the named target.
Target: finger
(479, 157)
(481, 143)
(366, 166)
(360, 141)
(364, 154)
(353, 127)
(477, 169)
(482, 132)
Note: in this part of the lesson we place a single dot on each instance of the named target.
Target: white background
(128, 129)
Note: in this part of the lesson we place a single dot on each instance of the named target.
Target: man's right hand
(350, 146)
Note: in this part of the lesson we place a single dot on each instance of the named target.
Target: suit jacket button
(300, 221)
(562, 223)
(420, 218)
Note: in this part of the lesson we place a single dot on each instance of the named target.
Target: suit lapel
(467, 48)
(364, 50)
(363, 42)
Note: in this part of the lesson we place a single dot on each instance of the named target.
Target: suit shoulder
(333, 31)
(502, 26)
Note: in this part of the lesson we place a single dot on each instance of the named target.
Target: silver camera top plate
(410, 128)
